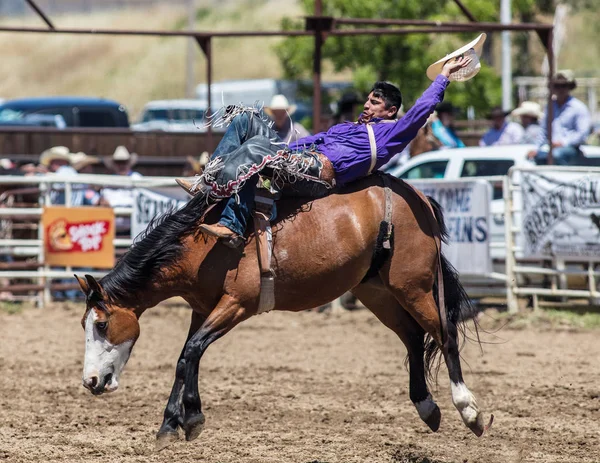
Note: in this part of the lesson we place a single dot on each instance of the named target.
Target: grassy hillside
(133, 70)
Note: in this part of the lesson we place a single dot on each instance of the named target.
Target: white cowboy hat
(121, 154)
(56, 152)
(473, 50)
(280, 102)
(81, 160)
(528, 108)
(565, 76)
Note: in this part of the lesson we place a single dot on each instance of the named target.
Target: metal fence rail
(37, 272)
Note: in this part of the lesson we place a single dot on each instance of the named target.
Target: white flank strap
(373, 145)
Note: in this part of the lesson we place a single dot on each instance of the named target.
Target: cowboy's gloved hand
(454, 65)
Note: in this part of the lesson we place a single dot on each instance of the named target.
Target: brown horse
(322, 248)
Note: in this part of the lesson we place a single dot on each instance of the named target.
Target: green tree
(401, 59)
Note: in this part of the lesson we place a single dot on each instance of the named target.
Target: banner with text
(561, 214)
(466, 207)
(79, 236)
(149, 204)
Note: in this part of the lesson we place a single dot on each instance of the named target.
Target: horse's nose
(90, 382)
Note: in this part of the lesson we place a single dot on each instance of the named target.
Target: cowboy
(121, 163)
(571, 124)
(56, 159)
(502, 132)
(442, 127)
(530, 112)
(281, 111)
(346, 152)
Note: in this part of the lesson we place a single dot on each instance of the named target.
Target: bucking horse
(321, 249)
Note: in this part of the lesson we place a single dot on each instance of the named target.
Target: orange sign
(79, 236)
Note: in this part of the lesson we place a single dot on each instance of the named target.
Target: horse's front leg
(173, 415)
(223, 318)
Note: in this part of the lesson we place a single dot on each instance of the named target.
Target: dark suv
(75, 111)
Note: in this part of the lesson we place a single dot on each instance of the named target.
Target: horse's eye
(101, 326)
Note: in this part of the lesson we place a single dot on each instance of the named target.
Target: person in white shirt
(530, 112)
(281, 111)
(121, 163)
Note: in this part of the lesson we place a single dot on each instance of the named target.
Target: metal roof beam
(40, 13)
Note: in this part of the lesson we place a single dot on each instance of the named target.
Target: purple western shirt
(347, 145)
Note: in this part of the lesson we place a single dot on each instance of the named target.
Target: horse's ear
(84, 285)
(96, 290)
(92, 283)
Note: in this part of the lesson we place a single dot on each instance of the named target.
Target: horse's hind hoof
(163, 440)
(434, 420)
(478, 427)
(193, 427)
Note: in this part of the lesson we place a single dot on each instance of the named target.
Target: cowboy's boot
(187, 186)
(227, 237)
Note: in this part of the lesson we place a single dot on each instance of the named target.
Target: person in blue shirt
(443, 127)
(571, 124)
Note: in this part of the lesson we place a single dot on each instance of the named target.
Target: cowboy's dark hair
(389, 93)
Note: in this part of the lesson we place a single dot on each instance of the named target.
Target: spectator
(571, 124)
(121, 163)
(281, 112)
(55, 159)
(86, 195)
(530, 112)
(347, 108)
(7, 167)
(501, 132)
(194, 166)
(442, 127)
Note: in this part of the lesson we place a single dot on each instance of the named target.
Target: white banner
(466, 207)
(561, 214)
(148, 204)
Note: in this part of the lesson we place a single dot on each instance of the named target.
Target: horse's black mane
(156, 248)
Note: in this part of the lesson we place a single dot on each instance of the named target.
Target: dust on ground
(304, 387)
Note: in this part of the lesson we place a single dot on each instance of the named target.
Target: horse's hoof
(163, 440)
(193, 427)
(433, 421)
(478, 427)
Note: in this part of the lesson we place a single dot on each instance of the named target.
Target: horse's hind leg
(173, 415)
(421, 305)
(385, 307)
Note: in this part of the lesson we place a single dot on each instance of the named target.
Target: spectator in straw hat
(571, 124)
(530, 112)
(122, 162)
(55, 159)
(280, 111)
(502, 132)
(86, 195)
(83, 163)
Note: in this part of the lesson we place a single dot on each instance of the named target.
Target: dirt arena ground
(305, 387)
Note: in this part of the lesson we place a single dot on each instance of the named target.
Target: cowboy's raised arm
(407, 127)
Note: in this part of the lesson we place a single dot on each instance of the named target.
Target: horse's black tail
(457, 302)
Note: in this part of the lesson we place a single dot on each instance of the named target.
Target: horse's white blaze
(425, 407)
(465, 402)
(102, 357)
